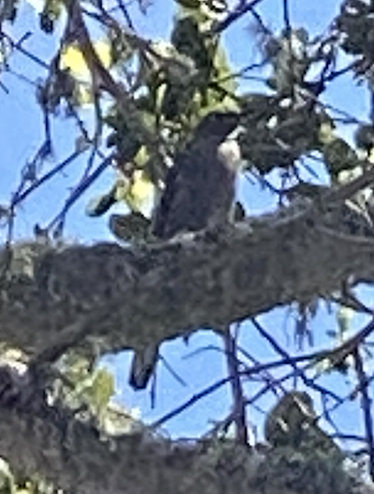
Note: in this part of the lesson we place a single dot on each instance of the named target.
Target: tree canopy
(117, 109)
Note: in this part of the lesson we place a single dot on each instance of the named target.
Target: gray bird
(199, 193)
(200, 187)
(293, 422)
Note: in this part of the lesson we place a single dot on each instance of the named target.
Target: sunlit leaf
(73, 59)
(140, 193)
(102, 389)
(344, 318)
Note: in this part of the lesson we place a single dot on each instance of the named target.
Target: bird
(199, 193)
(293, 422)
(288, 419)
(200, 187)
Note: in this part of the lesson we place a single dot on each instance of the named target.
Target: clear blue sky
(21, 133)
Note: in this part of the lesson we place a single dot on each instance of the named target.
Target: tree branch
(49, 441)
(211, 279)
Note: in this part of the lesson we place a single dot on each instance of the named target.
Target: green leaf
(344, 318)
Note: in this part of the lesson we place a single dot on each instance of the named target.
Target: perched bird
(199, 193)
(289, 418)
(293, 422)
(200, 187)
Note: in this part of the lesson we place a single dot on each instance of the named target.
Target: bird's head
(217, 126)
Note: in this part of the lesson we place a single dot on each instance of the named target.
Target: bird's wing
(174, 185)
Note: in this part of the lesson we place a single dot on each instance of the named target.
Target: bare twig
(239, 409)
(242, 9)
(298, 372)
(366, 405)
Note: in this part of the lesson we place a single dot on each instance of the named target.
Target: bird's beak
(235, 133)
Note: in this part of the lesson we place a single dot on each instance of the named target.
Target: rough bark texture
(72, 455)
(128, 298)
(79, 461)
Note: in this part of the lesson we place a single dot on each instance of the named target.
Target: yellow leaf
(140, 193)
(326, 133)
(103, 388)
(73, 59)
(84, 95)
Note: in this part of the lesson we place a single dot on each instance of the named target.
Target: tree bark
(129, 298)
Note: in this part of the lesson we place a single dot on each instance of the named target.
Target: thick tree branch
(50, 442)
(74, 457)
(43, 440)
(54, 297)
(133, 297)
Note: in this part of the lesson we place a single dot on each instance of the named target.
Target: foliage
(133, 104)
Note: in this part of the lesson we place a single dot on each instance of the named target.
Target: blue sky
(21, 133)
